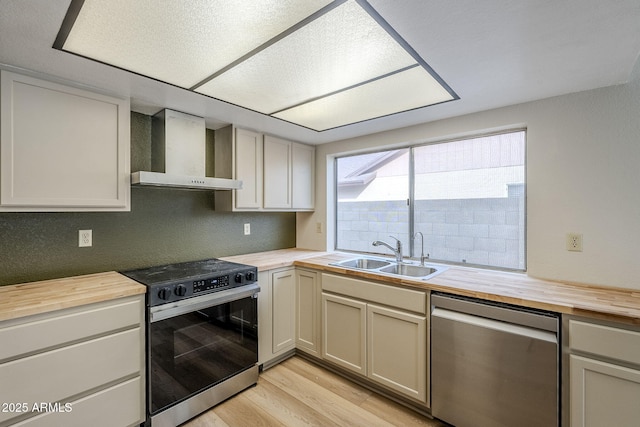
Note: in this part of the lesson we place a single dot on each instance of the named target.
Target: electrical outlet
(247, 229)
(574, 242)
(85, 238)
(319, 227)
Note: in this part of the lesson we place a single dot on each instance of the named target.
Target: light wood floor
(299, 393)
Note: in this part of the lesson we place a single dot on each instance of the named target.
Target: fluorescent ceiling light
(316, 63)
(406, 90)
(178, 42)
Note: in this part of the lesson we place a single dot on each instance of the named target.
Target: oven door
(199, 342)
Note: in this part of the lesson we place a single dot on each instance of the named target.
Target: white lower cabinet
(308, 294)
(604, 375)
(378, 331)
(603, 394)
(397, 350)
(276, 314)
(283, 305)
(75, 367)
(94, 410)
(344, 332)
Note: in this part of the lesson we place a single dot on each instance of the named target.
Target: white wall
(583, 175)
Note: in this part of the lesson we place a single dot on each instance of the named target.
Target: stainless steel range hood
(160, 179)
(178, 155)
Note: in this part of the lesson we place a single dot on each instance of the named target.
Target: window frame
(414, 254)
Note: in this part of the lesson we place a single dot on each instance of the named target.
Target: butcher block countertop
(615, 304)
(49, 295)
(274, 259)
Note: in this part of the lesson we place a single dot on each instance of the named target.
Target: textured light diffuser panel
(180, 42)
(407, 90)
(315, 63)
(340, 49)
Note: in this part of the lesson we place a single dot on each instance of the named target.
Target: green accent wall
(164, 226)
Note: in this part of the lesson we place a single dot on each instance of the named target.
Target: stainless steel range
(202, 336)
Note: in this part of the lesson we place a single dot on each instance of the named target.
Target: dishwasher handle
(496, 325)
(537, 319)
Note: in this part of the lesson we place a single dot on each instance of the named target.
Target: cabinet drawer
(76, 324)
(59, 374)
(393, 296)
(615, 343)
(120, 405)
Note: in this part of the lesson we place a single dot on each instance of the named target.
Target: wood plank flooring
(297, 393)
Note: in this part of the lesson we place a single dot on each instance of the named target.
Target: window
(466, 197)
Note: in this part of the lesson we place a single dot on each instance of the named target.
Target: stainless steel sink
(376, 265)
(363, 263)
(409, 270)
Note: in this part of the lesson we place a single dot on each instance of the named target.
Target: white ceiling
(492, 53)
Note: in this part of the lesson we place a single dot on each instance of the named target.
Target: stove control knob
(164, 293)
(181, 290)
(238, 278)
(251, 276)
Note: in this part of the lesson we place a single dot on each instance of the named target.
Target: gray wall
(164, 225)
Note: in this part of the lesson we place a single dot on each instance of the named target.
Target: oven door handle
(189, 305)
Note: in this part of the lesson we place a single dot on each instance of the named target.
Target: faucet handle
(398, 243)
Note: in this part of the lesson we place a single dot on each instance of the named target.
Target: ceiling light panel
(406, 90)
(340, 49)
(317, 63)
(180, 42)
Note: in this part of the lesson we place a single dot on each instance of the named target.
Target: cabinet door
(397, 351)
(344, 332)
(303, 176)
(62, 148)
(603, 394)
(248, 169)
(277, 173)
(283, 294)
(307, 312)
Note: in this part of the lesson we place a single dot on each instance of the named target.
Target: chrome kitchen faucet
(397, 251)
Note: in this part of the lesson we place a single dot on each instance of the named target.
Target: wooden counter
(49, 295)
(621, 305)
(274, 259)
(615, 304)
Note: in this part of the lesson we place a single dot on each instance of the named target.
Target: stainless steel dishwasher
(493, 364)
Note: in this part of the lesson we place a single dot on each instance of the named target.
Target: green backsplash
(164, 226)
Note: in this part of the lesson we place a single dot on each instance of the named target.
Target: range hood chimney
(178, 155)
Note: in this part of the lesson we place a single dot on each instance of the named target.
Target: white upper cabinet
(276, 174)
(289, 171)
(62, 148)
(303, 160)
(248, 169)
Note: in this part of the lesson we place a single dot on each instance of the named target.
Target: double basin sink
(405, 269)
